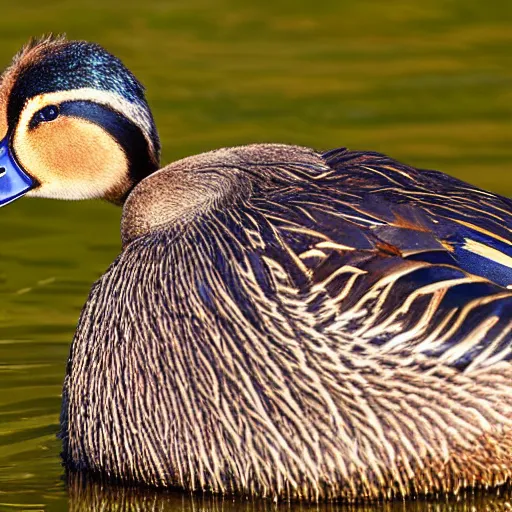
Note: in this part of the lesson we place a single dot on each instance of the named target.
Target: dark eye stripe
(123, 130)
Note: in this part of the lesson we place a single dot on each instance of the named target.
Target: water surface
(429, 83)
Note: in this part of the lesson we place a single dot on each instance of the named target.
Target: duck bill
(14, 182)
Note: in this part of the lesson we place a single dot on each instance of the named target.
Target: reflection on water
(426, 82)
(95, 497)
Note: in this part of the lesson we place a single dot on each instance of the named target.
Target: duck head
(76, 124)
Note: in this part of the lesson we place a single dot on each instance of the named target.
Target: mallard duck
(281, 322)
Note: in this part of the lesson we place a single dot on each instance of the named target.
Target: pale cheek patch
(71, 158)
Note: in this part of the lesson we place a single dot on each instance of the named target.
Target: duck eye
(48, 113)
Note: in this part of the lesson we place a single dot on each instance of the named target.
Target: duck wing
(472, 224)
(399, 257)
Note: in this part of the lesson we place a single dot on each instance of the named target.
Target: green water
(426, 82)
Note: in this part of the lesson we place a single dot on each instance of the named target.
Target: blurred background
(429, 83)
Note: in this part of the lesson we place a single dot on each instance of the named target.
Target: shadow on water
(87, 496)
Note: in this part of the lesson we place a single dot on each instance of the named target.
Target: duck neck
(135, 175)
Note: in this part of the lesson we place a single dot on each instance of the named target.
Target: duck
(281, 322)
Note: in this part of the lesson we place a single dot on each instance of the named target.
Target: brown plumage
(282, 322)
(243, 358)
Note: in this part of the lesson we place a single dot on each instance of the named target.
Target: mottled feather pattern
(312, 331)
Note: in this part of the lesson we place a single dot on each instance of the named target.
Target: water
(429, 83)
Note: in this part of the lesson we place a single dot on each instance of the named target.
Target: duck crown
(54, 64)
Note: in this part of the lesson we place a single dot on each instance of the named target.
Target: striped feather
(299, 325)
